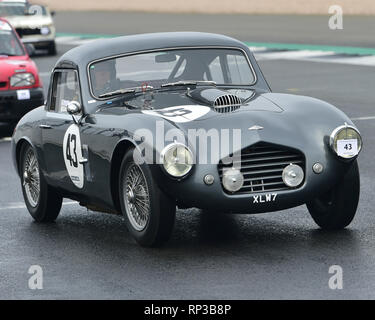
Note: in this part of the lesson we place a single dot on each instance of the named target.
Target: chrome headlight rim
(162, 157)
(336, 131)
(21, 79)
(292, 168)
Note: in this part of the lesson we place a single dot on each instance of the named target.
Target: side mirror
(30, 49)
(53, 13)
(74, 108)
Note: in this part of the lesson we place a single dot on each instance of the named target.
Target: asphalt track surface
(281, 255)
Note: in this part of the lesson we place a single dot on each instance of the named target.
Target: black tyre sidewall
(52, 51)
(345, 198)
(47, 209)
(163, 209)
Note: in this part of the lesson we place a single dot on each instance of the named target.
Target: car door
(61, 136)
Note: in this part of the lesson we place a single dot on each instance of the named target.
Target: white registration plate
(23, 94)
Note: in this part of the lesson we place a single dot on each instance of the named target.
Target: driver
(104, 77)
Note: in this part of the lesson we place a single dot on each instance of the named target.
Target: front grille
(27, 32)
(262, 165)
(227, 103)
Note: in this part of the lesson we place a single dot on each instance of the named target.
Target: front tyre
(336, 209)
(43, 203)
(149, 213)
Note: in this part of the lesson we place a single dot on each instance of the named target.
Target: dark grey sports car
(138, 125)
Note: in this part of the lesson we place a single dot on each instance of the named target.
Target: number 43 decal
(72, 140)
(72, 151)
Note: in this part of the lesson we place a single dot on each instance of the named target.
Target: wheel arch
(118, 154)
(19, 144)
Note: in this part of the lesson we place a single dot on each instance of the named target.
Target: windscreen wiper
(125, 91)
(189, 82)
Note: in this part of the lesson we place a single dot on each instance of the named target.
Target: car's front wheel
(43, 202)
(336, 209)
(149, 212)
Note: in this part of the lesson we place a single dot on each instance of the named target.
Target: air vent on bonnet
(227, 103)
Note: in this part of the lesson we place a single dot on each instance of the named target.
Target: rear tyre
(149, 213)
(43, 202)
(336, 209)
(52, 49)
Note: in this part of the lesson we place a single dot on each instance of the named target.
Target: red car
(20, 86)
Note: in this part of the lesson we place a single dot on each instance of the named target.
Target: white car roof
(14, 1)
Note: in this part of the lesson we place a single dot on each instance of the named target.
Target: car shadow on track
(195, 233)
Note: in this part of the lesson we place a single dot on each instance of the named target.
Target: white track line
(292, 55)
(20, 205)
(368, 61)
(75, 40)
(255, 49)
(363, 118)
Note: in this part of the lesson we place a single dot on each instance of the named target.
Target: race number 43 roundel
(72, 150)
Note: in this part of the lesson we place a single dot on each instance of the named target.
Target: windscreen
(9, 44)
(20, 9)
(224, 66)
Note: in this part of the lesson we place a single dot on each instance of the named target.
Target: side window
(216, 71)
(65, 88)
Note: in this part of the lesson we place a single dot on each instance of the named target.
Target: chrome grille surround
(227, 103)
(262, 165)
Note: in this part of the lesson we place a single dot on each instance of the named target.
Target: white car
(33, 23)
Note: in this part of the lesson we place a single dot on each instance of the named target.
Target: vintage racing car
(138, 125)
(20, 87)
(33, 23)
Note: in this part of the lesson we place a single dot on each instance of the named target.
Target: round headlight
(232, 179)
(293, 175)
(346, 141)
(45, 30)
(177, 159)
(22, 80)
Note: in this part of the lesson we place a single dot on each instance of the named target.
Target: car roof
(15, 1)
(82, 55)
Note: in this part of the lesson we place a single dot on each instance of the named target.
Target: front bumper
(193, 192)
(39, 41)
(12, 109)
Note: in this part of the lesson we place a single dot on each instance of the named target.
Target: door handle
(45, 126)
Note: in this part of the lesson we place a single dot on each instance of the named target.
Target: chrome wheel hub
(136, 196)
(31, 179)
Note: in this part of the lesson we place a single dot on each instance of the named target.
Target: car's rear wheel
(149, 213)
(43, 202)
(336, 209)
(52, 49)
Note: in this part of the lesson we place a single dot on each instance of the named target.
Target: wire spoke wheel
(137, 198)
(31, 178)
